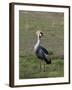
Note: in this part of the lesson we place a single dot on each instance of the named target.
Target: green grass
(52, 25)
(30, 68)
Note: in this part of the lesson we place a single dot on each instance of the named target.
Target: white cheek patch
(40, 34)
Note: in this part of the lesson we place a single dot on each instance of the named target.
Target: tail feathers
(48, 61)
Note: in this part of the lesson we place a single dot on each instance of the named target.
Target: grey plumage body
(42, 54)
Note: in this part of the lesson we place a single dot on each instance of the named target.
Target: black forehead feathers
(41, 33)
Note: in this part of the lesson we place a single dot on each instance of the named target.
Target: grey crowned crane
(40, 51)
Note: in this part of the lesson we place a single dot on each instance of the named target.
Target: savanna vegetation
(52, 25)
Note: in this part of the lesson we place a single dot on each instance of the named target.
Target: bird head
(39, 34)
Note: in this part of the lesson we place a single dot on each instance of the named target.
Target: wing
(40, 53)
(44, 50)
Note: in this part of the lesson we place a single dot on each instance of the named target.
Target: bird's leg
(40, 65)
(44, 66)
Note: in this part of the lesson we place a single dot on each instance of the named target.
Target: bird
(41, 52)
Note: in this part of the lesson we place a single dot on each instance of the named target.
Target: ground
(30, 68)
(52, 25)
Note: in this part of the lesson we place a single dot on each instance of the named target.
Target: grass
(52, 25)
(30, 68)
